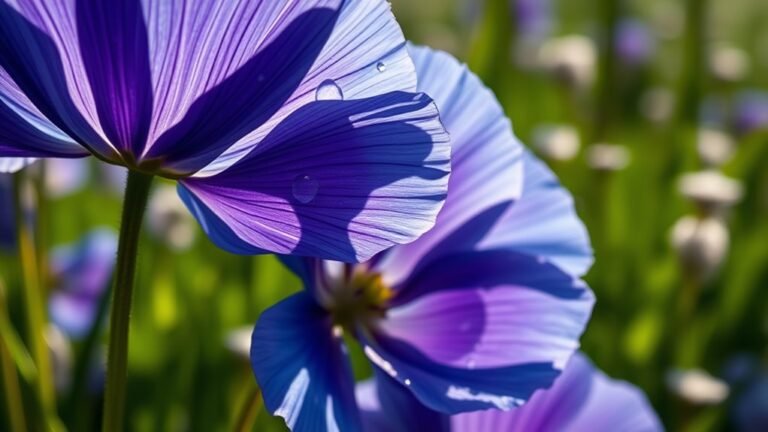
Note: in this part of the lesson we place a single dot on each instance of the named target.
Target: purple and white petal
(340, 180)
(491, 309)
(41, 56)
(362, 52)
(543, 223)
(486, 162)
(582, 399)
(302, 367)
(453, 390)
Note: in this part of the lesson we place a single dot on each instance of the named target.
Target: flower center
(358, 297)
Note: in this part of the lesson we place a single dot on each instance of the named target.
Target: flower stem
(134, 204)
(249, 410)
(34, 294)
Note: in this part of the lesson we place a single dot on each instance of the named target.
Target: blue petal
(453, 390)
(543, 223)
(486, 163)
(41, 66)
(386, 405)
(583, 399)
(115, 55)
(302, 367)
(339, 180)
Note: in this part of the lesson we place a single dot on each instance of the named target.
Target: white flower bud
(715, 147)
(556, 142)
(701, 244)
(238, 341)
(697, 387)
(711, 190)
(607, 157)
(728, 64)
(571, 59)
(169, 220)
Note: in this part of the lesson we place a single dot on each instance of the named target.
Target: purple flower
(478, 313)
(751, 111)
(292, 127)
(634, 42)
(82, 273)
(581, 399)
(533, 17)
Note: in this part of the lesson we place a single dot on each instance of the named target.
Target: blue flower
(292, 127)
(582, 399)
(479, 313)
(82, 273)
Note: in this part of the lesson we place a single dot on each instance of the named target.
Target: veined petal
(40, 54)
(362, 51)
(339, 180)
(486, 163)
(302, 368)
(492, 309)
(115, 54)
(583, 399)
(386, 405)
(453, 390)
(543, 223)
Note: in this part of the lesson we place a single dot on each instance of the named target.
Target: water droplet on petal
(328, 90)
(381, 67)
(407, 382)
(305, 189)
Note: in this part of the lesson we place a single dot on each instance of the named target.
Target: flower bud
(697, 387)
(715, 147)
(607, 157)
(711, 190)
(556, 142)
(571, 59)
(701, 244)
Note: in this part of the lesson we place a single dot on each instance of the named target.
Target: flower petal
(582, 399)
(40, 55)
(492, 309)
(543, 223)
(362, 51)
(339, 180)
(452, 390)
(386, 405)
(115, 55)
(486, 162)
(302, 368)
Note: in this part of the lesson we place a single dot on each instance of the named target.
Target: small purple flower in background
(533, 18)
(82, 273)
(292, 127)
(634, 42)
(7, 213)
(750, 112)
(478, 313)
(581, 399)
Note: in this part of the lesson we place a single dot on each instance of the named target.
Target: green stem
(34, 299)
(11, 387)
(249, 410)
(134, 204)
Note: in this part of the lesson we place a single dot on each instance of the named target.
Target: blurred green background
(661, 309)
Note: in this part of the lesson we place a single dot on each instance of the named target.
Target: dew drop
(328, 90)
(381, 67)
(407, 382)
(305, 189)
